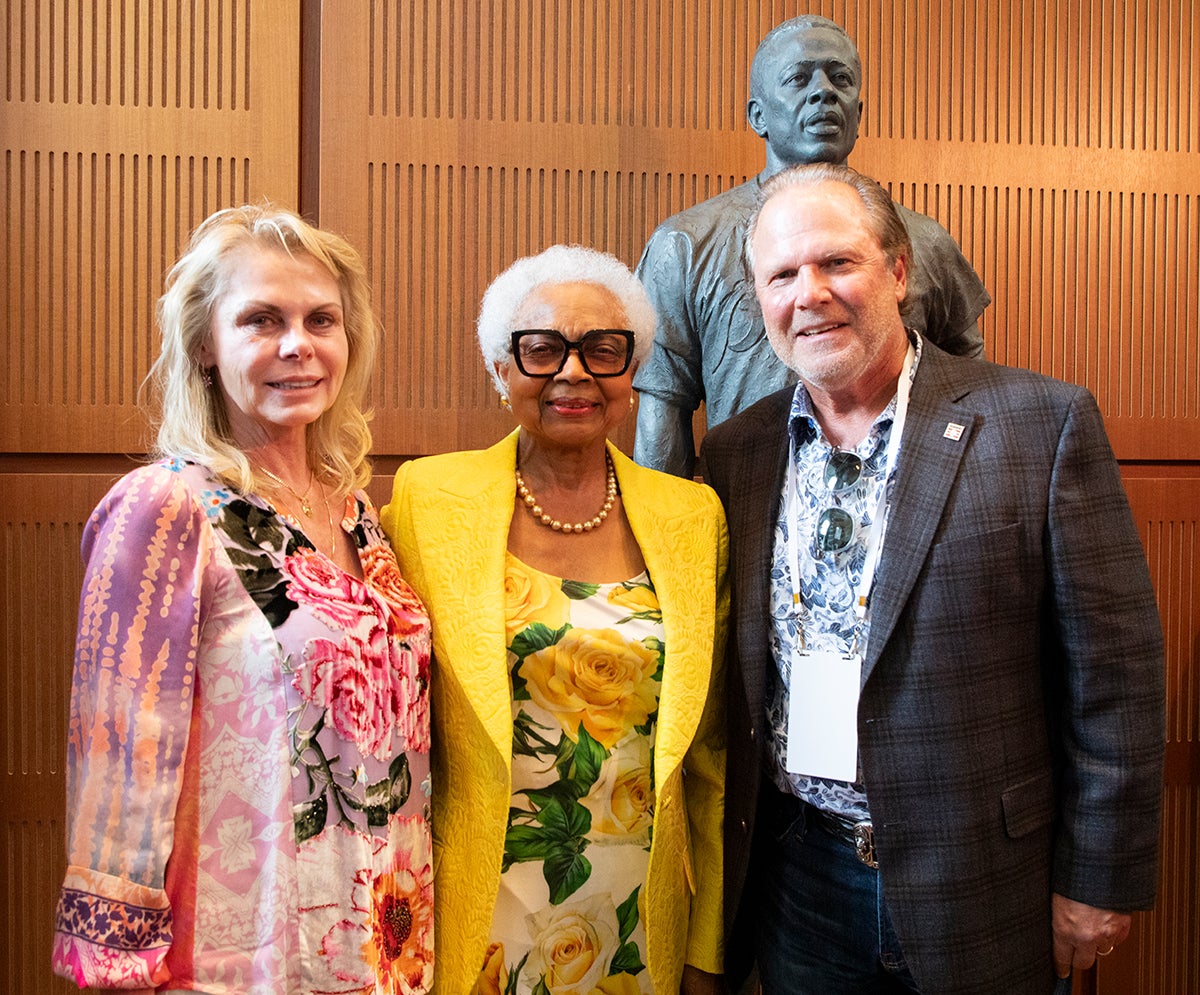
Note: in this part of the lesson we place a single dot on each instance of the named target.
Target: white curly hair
(560, 264)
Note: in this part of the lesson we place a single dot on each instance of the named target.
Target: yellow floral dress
(585, 664)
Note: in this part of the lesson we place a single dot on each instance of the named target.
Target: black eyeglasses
(836, 526)
(543, 352)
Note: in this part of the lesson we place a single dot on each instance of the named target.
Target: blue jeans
(824, 928)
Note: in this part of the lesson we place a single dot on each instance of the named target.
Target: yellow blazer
(448, 520)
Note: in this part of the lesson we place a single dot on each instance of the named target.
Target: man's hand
(697, 982)
(1083, 932)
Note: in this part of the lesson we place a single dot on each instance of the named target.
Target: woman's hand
(697, 982)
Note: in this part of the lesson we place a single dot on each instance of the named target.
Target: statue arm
(670, 381)
(664, 439)
(948, 297)
(968, 342)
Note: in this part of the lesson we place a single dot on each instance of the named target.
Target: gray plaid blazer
(1011, 722)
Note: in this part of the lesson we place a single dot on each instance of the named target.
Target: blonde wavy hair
(192, 422)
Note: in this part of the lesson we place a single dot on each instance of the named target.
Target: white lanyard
(878, 520)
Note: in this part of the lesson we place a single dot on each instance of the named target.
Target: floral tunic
(248, 753)
(586, 671)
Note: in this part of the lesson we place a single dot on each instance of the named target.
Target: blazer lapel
(681, 561)
(938, 430)
(752, 517)
(476, 510)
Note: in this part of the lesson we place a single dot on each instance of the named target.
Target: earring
(205, 376)
(632, 402)
(504, 401)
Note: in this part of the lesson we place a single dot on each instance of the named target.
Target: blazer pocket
(1028, 806)
(992, 538)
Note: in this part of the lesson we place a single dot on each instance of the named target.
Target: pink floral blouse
(248, 753)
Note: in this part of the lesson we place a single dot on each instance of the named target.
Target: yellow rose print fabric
(586, 662)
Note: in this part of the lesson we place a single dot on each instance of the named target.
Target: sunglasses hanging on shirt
(836, 527)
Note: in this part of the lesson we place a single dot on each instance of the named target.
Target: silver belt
(860, 835)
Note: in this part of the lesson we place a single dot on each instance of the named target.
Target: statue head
(804, 93)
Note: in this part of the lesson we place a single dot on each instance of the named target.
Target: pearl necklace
(576, 528)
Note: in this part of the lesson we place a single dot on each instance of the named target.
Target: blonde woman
(248, 757)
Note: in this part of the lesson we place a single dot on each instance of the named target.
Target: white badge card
(823, 715)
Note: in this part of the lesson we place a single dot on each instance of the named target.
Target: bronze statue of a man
(710, 345)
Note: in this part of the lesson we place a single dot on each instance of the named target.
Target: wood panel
(1098, 287)
(124, 125)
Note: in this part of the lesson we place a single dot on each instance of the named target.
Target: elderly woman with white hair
(578, 604)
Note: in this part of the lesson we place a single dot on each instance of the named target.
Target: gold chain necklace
(332, 530)
(302, 498)
(542, 518)
(307, 508)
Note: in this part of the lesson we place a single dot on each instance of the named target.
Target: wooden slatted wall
(1058, 141)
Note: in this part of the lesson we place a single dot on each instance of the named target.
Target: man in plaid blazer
(945, 691)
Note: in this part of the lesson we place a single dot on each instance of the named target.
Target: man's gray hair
(882, 217)
(561, 264)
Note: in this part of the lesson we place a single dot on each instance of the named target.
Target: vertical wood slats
(84, 260)
(1168, 939)
(32, 862)
(1166, 507)
(1162, 954)
(1173, 550)
(40, 558)
(166, 53)
(94, 214)
(1098, 287)
(561, 61)
(1100, 74)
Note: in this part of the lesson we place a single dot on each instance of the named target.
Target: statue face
(807, 104)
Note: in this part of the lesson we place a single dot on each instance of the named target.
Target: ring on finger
(1105, 953)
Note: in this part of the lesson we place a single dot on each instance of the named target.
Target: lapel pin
(953, 431)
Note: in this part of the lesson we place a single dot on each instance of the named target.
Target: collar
(803, 426)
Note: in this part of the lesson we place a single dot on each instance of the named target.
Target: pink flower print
(383, 573)
(381, 935)
(412, 702)
(356, 683)
(332, 594)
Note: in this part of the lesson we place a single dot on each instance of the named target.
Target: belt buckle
(864, 844)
